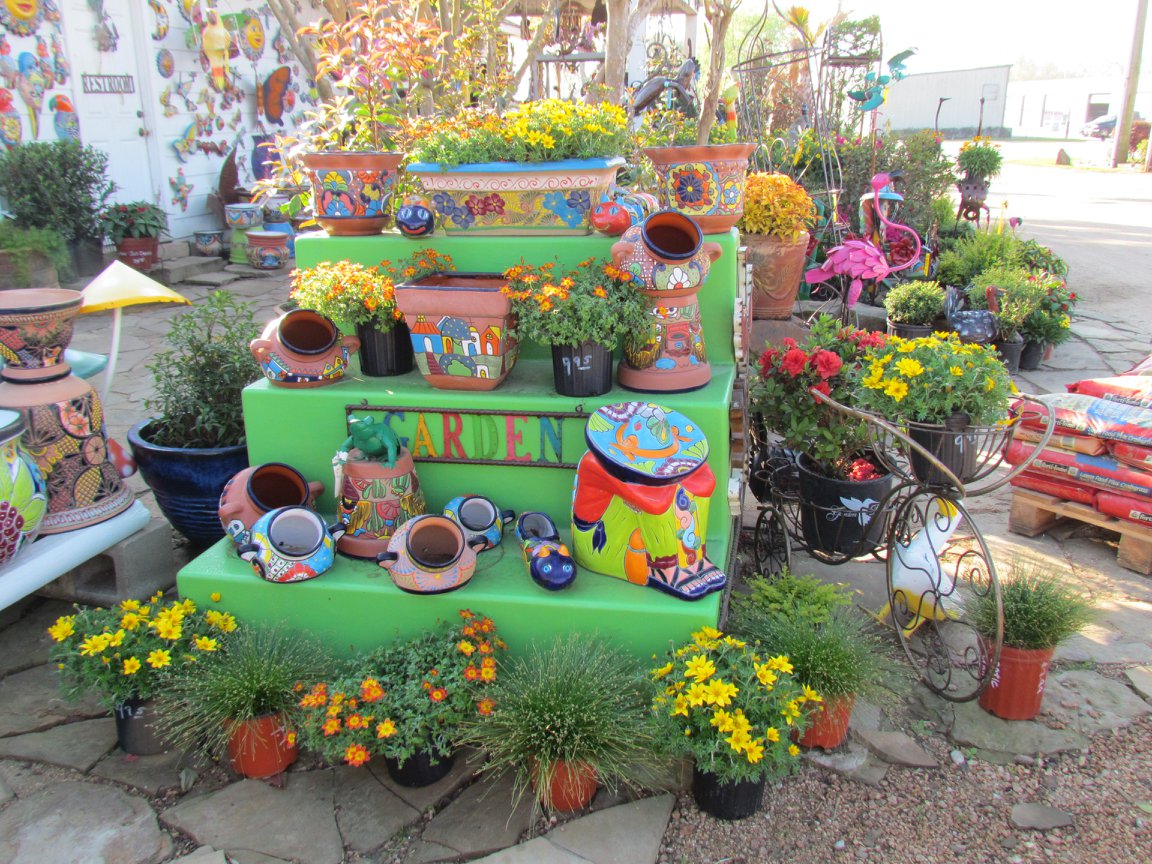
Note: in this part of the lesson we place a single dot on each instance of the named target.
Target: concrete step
(173, 250)
(215, 279)
(180, 269)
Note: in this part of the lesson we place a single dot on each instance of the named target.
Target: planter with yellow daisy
(125, 654)
(733, 708)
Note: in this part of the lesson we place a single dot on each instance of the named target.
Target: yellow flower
(205, 643)
(754, 750)
(130, 605)
(662, 671)
(385, 729)
(117, 639)
(772, 734)
(706, 633)
(896, 388)
(214, 596)
(738, 740)
(721, 693)
(680, 706)
(465, 647)
(131, 666)
(990, 384)
(793, 750)
(699, 694)
(168, 630)
(131, 620)
(722, 720)
(188, 606)
(956, 370)
(765, 675)
(909, 367)
(740, 722)
(699, 669)
(63, 628)
(94, 645)
(781, 663)
(811, 695)
(159, 658)
(733, 642)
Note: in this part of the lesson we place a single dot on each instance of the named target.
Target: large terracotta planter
(777, 268)
(703, 181)
(517, 197)
(351, 191)
(829, 723)
(460, 325)
(259, 748)
(1016, 689)
(140, 253)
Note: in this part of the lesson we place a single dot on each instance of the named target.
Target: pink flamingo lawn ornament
(863, 259)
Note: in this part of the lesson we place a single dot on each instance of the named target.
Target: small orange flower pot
(829, 726)
(1017, 686)
(259, 748)
(572, 788)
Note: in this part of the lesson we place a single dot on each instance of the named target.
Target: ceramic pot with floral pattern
(703, 181)
(351, 191)
(35, 327)
(303, 348)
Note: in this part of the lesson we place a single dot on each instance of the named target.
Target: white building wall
(912, 102)
(1058, 108)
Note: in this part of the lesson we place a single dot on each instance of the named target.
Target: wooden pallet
(1034, 513)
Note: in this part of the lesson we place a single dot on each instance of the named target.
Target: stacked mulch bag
(1101, 451)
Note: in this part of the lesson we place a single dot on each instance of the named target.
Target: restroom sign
(98, 84)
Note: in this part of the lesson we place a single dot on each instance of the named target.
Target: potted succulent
(1012, 293)
(833, 463)
(406, 702)
(32, 257)
(732, 707)
(1039, 610)
(194, 441)
(135, 228)
(948, 394)
(568, 716)
(127, 654)
(536, 169)
(240, 702)
(1050, 325)
(777, 215)
(978, 162)
(915, 308)
(581, 313)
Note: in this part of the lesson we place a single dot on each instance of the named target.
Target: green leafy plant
(1040, 609)
(596, 302)
(1052, 322)
(134, 219)
(915, 302)
(256, 672)
(974, 254)
(577, 699)
(777, 206)
(25, 245)
(666, 127)
(979, 157)
(1020, 294)
(134, 649)
(797, 598)
(61, 185)
(409, 697)
(199, 376)
(1036, 256)
(731, 706)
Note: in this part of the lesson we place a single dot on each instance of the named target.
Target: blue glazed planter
(187, 482)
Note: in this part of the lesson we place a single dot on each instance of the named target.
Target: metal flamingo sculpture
(862, 259)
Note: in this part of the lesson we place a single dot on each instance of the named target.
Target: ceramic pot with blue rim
(243, 216)
(480, 517)
(291, 544)
(303, 348)
(431, 555)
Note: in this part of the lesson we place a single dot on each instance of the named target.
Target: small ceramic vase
(291, 544)
(242, 216)
(303, 348)
(257, 490)
(208, 244)
(23, 492)
(430, 555)
(479, 516)
(267, 250)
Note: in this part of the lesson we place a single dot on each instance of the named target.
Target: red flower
(438, 695)
(789, 342)
(766, 360)
(826, 364)
(822, 387)
(862, 469)
(794, 362)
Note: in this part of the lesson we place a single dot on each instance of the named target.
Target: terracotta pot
(374, 500)
(351, 191)
(829, 723)
(704, 181)
(267, 250)
(460, 325)
(1016, 689)
(209, 244)
(140, 253)
(35, 327)
(549, 198)
(259, 489)
(259, 748)
(571, 787)
(431, 555)
(23, 492)
(777, 268)
(303, 348)
(730, 800)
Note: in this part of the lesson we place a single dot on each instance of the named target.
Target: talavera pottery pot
(139, 253)
(351, 191)
(460, 325)
(23, 492)
(667, 256)
(641, 503)
(256, 490)
(480, 517)
(549, 562)
(303, 348)
(267, 250)
(36, 326)
(284, 228)
(430, 555)
(290, 544)
(704, 181)
(208, 244)
(243, 216)
(374, 499)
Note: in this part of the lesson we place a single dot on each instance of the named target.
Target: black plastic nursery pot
(384, 353)
(582, 370)
(840, 517)
(726, 800)
(418, 769)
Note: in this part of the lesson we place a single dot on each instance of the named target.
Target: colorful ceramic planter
(36, 325)
(23, 493)
(351, 191)
(290, 544)
(460, 325)
(260, 489)
(374, 499)
(704, 181)
(243, 216)
(517, 197)
(208, 244)
(267, 250)
(431, 555)
(303, 348)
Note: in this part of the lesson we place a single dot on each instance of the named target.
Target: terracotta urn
(703, 181)
(303, 348)
(256, 490)
(374, 499)
(351, 190)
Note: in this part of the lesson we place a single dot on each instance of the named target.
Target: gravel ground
(954, 814)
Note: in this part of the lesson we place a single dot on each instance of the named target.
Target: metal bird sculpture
(65, 121)
(861, 259)
(31, 89)
(896, 64)
(11, 128)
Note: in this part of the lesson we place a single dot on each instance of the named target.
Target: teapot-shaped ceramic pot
(430, 555)
(303, 348)
(667, 256)
(291, 544)
(256, 490)
(480, 517)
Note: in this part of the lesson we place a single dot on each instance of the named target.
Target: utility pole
(1124, 117)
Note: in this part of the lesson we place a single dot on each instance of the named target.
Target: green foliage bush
(975, 254)
(22, 243)
(61, 185)
(797, 598)
(915, 302)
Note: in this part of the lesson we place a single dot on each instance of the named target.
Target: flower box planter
(548, 198)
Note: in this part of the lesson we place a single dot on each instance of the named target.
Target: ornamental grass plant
(1041, 609)
(577, 700)
(915, 302)
(134, 649)
(776, 206)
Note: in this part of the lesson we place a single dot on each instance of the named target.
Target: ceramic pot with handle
(481, 517)
(291, 544)
(303, 348)
(430, 555)
(259, 489)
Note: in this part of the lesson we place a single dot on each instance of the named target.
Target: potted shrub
(581, 313)
(135, 228)
(732, 708)
(194, 441)
(63, 186)
(777, 215)
(535, 169)
(568, 715)
(975, 253)
(978, 162)
(948, 394)
(240, 702)
(1040, 610)
(1050, 325)
(915, 308)
(126, 655)
(32, 257)
(406, 702)
(1012, 293)
(833, 462)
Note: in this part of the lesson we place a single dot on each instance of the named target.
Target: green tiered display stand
(521, 443)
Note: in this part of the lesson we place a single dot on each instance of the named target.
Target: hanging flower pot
(419, 769)
(728, 800)
(1016, 689)
(384, 353)
(952, 443)
(829, 723)
(840, 516)
(261, 747)
(582, 370)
